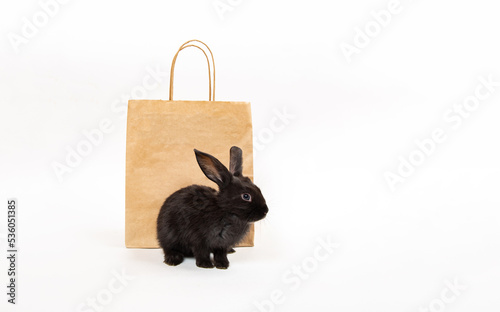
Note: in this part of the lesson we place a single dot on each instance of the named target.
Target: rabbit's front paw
(204, 263)
(220, 259)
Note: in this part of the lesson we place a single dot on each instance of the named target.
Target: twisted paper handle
(211, 85)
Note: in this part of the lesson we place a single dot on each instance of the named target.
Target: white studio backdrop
(376, 146)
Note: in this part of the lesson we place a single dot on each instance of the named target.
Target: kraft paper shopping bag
(161, 136)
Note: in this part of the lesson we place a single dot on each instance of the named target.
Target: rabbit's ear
(213, 168)
(236, 161)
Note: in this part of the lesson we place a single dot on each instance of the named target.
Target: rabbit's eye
(246, 197)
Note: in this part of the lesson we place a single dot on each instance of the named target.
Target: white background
(322, 172)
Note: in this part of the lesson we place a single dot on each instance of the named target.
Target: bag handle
(211, 88)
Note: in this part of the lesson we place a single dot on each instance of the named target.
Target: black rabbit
(197, 220)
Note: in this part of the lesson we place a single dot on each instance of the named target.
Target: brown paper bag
(161, 136)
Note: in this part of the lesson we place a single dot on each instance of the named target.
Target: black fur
(197, 220)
